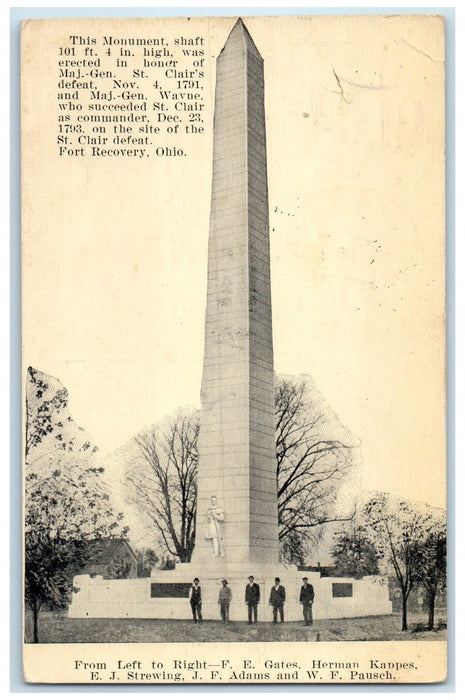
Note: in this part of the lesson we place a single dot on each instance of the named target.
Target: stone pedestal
(95, 597)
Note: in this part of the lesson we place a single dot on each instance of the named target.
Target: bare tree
(311, 464)
(312, 461)
(163, 482)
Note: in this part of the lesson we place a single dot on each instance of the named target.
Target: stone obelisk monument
(237, 492)
(237, 522)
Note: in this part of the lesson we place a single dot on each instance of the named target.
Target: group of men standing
(252, 599)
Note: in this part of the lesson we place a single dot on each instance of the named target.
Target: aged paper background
(115, 252)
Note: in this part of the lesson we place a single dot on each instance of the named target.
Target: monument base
(165, 595)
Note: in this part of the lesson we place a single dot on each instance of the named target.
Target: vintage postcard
(233, 267)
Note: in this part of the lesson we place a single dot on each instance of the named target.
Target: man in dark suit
(252, 598)
(277, 598)
(307, 594)
(195, 597)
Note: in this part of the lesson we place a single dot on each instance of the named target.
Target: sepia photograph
(234, 349)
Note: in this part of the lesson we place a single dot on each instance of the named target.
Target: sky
(115, 252)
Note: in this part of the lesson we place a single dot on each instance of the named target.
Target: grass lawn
(57, 628)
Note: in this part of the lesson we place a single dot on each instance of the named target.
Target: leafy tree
(163, 482)
(146, 560)
(432, 564)
(399, 531)
(354, 554)
(46, 418)
(49, 567)
(119, 567)
(45, 576)
(66, 503)
(312, 462)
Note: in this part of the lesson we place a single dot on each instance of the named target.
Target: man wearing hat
(224, 599)
(307, 595)
(195, 597)
(277, 598)
(252, 598)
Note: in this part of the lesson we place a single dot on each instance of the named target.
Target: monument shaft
(237, 453)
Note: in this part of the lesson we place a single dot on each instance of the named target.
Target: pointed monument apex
(239, 34)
